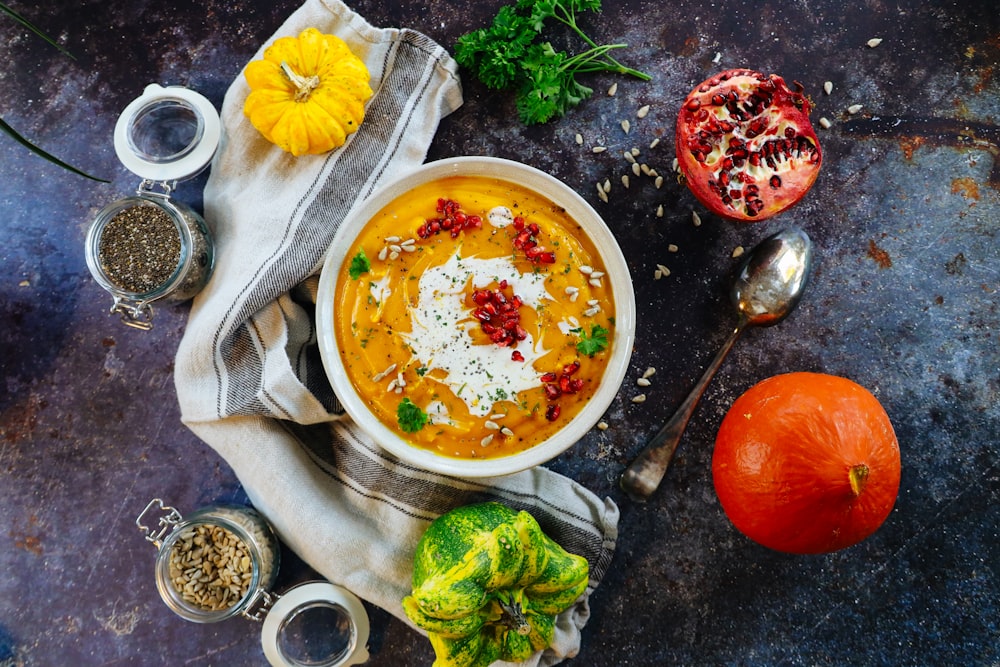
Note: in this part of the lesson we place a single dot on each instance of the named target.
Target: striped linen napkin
(248, 373)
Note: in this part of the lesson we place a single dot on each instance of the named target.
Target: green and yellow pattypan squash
(487, 585)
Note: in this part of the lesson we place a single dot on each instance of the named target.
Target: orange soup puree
(474, 317)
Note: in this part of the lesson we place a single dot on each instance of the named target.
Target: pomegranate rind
(745, 146)
(783, 459)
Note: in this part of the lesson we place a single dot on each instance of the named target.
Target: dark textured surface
(903, 299)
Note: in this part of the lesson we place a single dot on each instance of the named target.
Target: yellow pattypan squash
(308, 93)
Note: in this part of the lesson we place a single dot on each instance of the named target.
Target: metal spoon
(768, 286)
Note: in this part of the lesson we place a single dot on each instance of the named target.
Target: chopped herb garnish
(359, 265)
(594, 342)
(410, 416)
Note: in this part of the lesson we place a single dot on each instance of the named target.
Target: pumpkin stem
(858, 476)
(513, 616)
(304, 85)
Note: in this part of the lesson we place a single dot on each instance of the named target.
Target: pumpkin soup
(473, 317)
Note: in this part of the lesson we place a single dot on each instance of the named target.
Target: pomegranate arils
(453, 220)
(499, 316)
(526, 240)
(555, 386)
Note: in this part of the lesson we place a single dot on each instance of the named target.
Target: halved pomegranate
(745, 145)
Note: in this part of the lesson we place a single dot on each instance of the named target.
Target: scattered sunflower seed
(599, 149)
(641, 398)
(672, 248)
(613, 89)
(854, 108)
(658, 182)
(586, 269)
(649, 372)
(626, 126)
(695, 218)
(607, 185)
(659, 211)
(654, 143)
(828, 87)
(872, 43)
(825, 123)
(579, 139)
(643, 382)
(629, 157)
(625, 180)
(636, 169)
(635, 152)
(602, 426)
(738, 251)
(642, 112)
(663, 270)
(487, 440)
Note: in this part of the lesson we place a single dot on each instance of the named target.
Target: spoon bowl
(768, 286)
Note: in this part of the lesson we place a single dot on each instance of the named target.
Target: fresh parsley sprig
(410, 416)
(594, 342)
(510, 54)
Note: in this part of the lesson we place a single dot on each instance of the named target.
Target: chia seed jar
(222, 561)
(150, 247)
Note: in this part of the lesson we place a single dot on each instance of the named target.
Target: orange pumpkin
(806, 463)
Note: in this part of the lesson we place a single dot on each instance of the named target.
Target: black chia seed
(140, 248)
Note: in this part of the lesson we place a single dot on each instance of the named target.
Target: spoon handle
(641, 479)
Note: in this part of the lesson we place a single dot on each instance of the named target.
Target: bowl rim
(623, 332)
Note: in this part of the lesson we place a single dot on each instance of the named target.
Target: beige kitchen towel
(248, 373)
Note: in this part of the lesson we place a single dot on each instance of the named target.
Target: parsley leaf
(506, 55)
(593, 343)
(410, 417)
(359, 265)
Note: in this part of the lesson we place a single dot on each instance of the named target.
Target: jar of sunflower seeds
(149, 247)
(222, 561)
(216, 563)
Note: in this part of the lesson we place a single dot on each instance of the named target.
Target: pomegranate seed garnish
(571, 368)
(499, 316)
(516, 356)
(549, 377)
(552, 412)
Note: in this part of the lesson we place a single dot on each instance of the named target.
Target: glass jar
(223, 548)
(215, 564)
(150, 247)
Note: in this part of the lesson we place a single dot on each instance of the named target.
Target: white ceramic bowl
(618, 277)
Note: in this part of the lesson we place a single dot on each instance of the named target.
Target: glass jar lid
(317, 624)
(167, 134)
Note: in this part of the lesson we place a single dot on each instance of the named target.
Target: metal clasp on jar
(166, 522)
